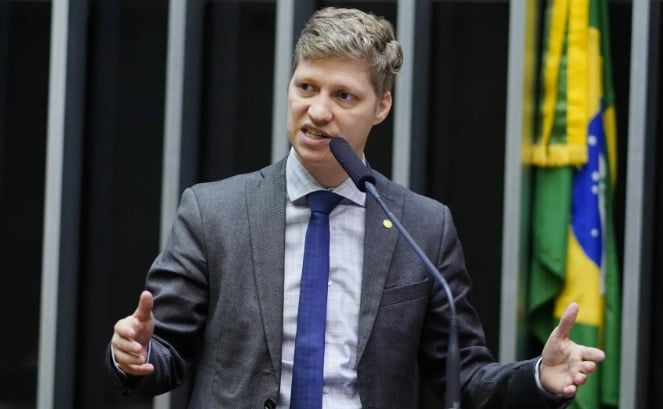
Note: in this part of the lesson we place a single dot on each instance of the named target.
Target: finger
(569, 391)
(592, 354)
(125, 358)
(139, 370)
(580, 379)
(126, 345)
(127, 327)
(568, 319)
(144, 310)
(587, 367)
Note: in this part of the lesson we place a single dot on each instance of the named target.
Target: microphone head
(351, 163)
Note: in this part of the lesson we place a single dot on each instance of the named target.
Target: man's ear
(383, 108)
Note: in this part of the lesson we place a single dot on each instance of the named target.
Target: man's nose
(320, 109)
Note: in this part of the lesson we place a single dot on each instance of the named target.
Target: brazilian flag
(574, 157)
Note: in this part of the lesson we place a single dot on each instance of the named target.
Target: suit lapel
(379, 247)
(266, 200)
(266, 209)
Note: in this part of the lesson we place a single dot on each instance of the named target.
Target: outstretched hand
(565, 364)
(131, 338)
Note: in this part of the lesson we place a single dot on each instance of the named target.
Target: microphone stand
(364, 181)
(453, 352)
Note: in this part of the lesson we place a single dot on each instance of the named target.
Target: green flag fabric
(574, 157)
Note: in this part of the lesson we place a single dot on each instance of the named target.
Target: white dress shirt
(346, 255)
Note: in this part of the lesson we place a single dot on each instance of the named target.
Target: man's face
(327, 98)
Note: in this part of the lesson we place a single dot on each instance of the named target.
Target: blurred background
(110, 108)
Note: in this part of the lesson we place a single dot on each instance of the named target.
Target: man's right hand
(131, 338)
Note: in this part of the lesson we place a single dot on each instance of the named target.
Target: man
(224, 295)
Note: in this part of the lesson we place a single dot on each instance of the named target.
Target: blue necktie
(307, 372)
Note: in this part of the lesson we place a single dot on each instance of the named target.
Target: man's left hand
(565, 364)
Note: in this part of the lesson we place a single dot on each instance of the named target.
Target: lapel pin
(386, 223)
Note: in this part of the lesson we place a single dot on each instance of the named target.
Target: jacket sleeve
(484, 383)
(178, 281)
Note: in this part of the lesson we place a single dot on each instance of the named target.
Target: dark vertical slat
(420, 96)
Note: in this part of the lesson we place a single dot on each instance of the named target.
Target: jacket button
(269, 404)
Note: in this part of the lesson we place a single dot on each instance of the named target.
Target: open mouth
(315, 134)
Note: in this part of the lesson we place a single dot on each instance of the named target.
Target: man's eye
(304, 87)
(345, 96)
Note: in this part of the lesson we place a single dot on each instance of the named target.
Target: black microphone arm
(365, 182)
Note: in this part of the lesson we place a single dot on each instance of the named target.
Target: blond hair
(354, 34)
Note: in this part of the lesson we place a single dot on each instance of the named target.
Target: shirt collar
(299, 183)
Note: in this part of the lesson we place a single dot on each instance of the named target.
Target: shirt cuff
(537, 374)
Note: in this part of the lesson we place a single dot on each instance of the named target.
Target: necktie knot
(323, 201)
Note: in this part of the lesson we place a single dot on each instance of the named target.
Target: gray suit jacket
(218, 288)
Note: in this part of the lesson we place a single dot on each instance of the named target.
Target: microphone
(364, 180)
(344, 154)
